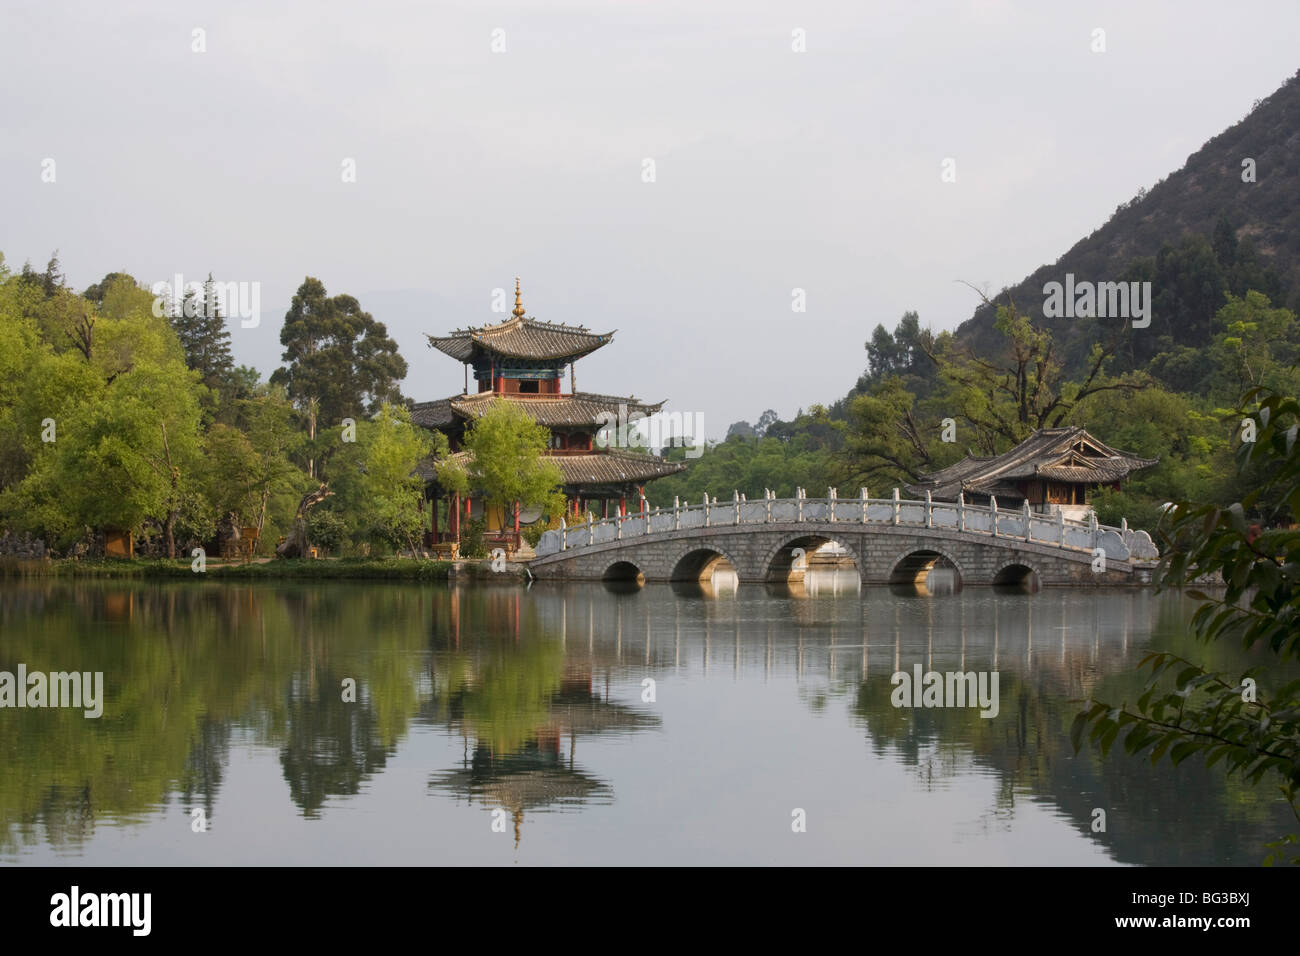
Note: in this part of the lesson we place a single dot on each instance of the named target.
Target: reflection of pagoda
(534, 778)
(539, 775)
(522, 360)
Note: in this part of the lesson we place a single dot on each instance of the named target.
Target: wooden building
(523, 360)
(1054, 469)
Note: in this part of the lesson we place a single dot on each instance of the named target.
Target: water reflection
(535, 703)
(936, 582)
(524, 701)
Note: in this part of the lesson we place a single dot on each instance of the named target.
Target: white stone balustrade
(960, 518)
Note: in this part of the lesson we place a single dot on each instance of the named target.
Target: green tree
(203, 335)
(886, 438)
(1004, 399)
(392, 489)
(1250, 722)
(130, 454)
(339, 362)
(507, 463)
(1255, 346)
(111, 390)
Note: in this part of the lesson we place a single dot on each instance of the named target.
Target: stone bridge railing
(1070, 534)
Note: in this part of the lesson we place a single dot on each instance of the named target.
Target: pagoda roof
(613, 466)
(521, 337)
(554, 411)
(521, 781)
(1068, 454)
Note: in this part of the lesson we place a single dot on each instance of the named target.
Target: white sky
(775, 169)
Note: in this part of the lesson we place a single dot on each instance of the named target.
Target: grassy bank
(388, 569)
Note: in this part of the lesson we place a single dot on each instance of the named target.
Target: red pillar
(622, 506)
(640, 493)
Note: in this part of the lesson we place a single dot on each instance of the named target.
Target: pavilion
(522, 360)
(1054, 469)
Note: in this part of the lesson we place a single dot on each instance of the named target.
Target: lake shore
(387, 569)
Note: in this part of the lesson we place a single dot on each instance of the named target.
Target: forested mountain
(1229, 220)
(1219, 242)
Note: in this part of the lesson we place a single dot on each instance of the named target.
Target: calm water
(527, 710)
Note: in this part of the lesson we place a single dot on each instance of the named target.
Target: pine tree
(202, 330)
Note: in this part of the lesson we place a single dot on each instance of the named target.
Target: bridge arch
(622, 571)
(914, 565)
(779, 560)
(699, 560)
(1018, 572)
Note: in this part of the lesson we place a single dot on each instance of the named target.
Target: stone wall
(23, 546)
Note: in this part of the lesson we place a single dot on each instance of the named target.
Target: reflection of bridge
(890, 540)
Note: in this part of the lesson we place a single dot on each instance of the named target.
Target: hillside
(1180, 214)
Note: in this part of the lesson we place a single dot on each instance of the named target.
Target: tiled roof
(614, 467)
(608, 467)
(522, 337)
(1051, 454)
(578, 409)
(435, 414)
(1102, 471)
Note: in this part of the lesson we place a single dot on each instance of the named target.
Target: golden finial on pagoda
(519, 305)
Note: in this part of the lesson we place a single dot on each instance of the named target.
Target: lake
(364, 723)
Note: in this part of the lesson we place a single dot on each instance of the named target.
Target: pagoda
(523, 360)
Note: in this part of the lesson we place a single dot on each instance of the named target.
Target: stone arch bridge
(889, 540)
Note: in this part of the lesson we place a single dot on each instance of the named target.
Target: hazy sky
(774, 169)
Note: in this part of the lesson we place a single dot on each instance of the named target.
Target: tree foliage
(1249, 722)
(506, 460)
(114, 416)
(339, 361)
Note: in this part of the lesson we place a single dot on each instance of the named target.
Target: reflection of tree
(183, 665)
(502, 701)
(1028, 747)
(177, 664)
(66, 814)
(503, 681)
(189, 668)
(332, 745)
(208, 754)
(373, 636)
(535, 773)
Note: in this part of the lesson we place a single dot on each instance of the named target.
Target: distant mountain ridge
(1264, 215)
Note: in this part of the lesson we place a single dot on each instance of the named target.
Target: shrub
(532, 533)
(325, 529)
(471, 539)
